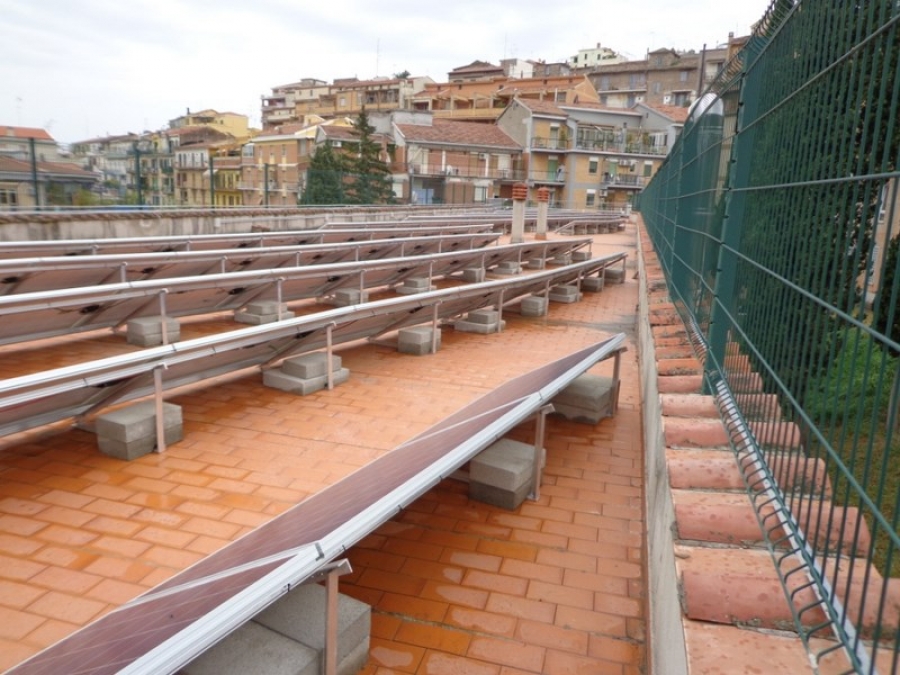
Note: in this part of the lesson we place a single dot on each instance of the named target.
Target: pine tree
(325, 177)
(370, 182)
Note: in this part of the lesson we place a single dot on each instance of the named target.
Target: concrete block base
(288, 638)
(566, 294)
(473, 274)
(482, 321)
(502, 474)
(300, 616)
(306, 374)
(534, 305)
(592, 284)
(537, 264)
(418, 340)
(615, 275)
(411, 286)
(508, 267)
(146, 331)
(264, 311)
(580, 256)
(253, 648)
(129, 433)
(565, 259)
(349, 296)
(589, 399)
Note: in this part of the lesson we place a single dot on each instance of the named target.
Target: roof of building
(13, 165)
(452, 132)
(25, 132)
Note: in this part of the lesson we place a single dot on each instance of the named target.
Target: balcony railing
(550, 143)
(454, 171)
(622, 180)
(621, 147)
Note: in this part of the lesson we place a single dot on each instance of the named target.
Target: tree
(325, 177)
(402, 75)
(370, 179)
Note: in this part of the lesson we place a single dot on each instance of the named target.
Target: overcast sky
(87, 68)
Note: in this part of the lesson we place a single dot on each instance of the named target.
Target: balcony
(622, 147)
(550, 143)
(622, 181)
(453, 171)
(548, 177)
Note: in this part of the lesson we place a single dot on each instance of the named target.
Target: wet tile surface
(456, 586)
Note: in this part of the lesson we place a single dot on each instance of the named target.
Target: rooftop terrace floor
(456, 586)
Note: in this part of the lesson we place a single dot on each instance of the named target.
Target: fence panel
(777, 222)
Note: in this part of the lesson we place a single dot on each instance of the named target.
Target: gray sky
(88, 68)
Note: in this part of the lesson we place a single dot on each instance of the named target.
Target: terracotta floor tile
(433, 637)
(65, 607)
(396, 655)
(442, 663)
(507, 653)
(481, 621)
(565, 663)
(456, 586)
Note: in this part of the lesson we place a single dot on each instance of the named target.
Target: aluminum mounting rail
(32, 316)
(81, 391)
(240, 240)
(31, 275)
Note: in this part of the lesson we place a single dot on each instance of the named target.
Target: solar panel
(31, 275)
(243, 240)
(170, 625)
(66, 393)
(72, 310)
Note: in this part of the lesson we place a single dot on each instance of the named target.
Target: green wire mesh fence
(776, 218)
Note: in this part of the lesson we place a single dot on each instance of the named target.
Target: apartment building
(443, 161)
(348, 97)
(273, 165)
(485, 100)
(589, 156)
(280, 107)
(229, 123)
(665, 77)
(594, 57)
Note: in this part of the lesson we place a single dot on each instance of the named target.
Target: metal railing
(776, 219)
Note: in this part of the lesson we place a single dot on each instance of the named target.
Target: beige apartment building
(589, 156)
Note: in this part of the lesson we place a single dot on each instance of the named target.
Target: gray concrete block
(259, 319)
(416, 285)
(534, 305)
(314, 364)
(482, 328)
(507, 267)
(418, 340)
(592, 284)
(580, 256)
(147, 331)
(130, 432)
(473, 274)
(614, 274)
(263, 307)
(488, 316)
(537, 263)
(589, 398)
(504, 499)
(564, 294)
(563, 259)
(300, 616)
(253, 648)
(506, 464)
(302, 386)
(350, 296)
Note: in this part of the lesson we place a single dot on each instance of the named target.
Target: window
(593, 163)
(604, 83)
(9, 198)
(648, 169)
(590, 198)
(683, 75)
(657, 87)
(284, 150)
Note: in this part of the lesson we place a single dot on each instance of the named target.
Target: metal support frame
(162, 316)
(158, 399)
(539, 434)
(329, 355)
(279, 283)
(435, 314)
